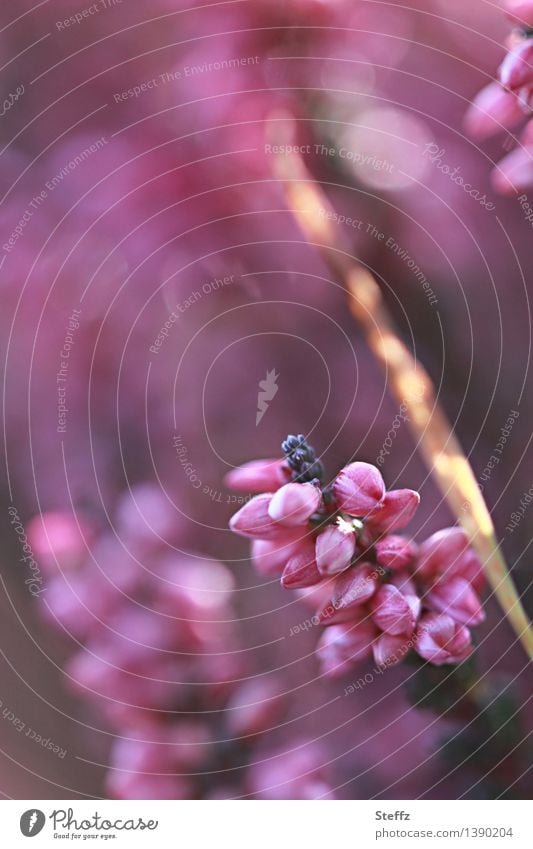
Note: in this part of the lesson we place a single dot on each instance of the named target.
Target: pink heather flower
(514, 172)
(258, 476)
(359, 488)
(395, 552)
(328, 615)
(301, 570)
(468, 566)
(493, 110)
(253, 520)
(271, 556)
(520, 11)
(254, 707)
(441, 640)
(393, 612)
(440, 552)
(383, 582)
(390, 650)
(404, 582)
(395, 511)
(59, 540)
(341, 645)
(456, 597)
(355, 586)
(294, 503)
(516, 69)
(335, 548)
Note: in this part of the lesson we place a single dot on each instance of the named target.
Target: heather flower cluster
(382, 593)
(159, 657)
(507, 102)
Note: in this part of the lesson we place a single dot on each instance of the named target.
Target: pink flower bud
(343, 645)
(59, 540)
(258, 476)
(521, 11)
(355, 586)
(514, 172)
(441, 552)
(301, 570)
(390, 650)
(146, 516)
(469, 566)
(294, 503)
(335, 548)
(329, 615)
(271, 556)
(516, 69)
(441, 640)
(395, 552)
(491, 111)
(403, 582)
(393, 612)
(394, 512)
(253, 520)
(254, 707)
(456, 597)
(359, 488)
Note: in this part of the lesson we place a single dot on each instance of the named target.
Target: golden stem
(411, 384)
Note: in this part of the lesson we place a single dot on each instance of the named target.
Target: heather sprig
(158, 656)
(385, 594)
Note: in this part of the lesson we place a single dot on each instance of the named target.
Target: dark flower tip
(301, 459)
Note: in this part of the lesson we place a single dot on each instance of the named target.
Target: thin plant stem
(408, 381)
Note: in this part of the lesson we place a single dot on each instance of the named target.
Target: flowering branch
(409, 381)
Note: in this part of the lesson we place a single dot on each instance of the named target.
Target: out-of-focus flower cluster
(381, 593)
(160, 658)
(505, 103)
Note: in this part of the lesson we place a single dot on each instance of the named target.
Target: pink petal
(258, 476)
(389, 650)
(469, 567)
(342, 645)
(335, 548)
(392, 612)
(516, 69)
(395, 511)
(441, 640)
(301, 570)
(294, 503)
(456, 597)
(521, 11)
(271, 556)
(253, 520)
(355, 586)
(395, 552)
(441, 551)
(359, 488)
(493, 110)
(514, 172)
